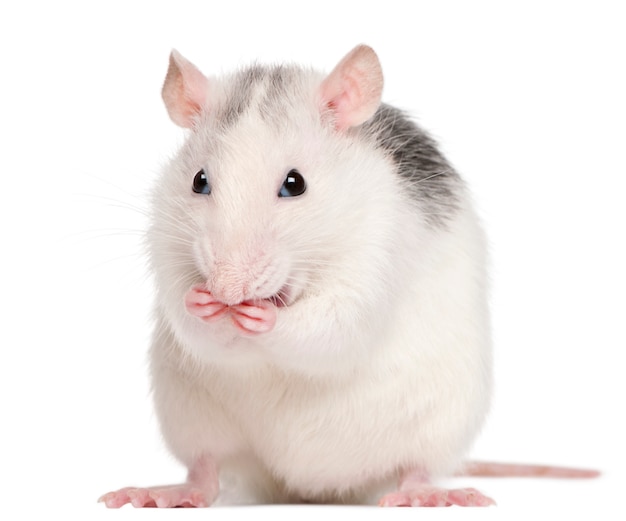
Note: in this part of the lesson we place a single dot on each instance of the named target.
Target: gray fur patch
(278, 82)
(266, 89)
(433, 183)
(281, 96)
(241, 94)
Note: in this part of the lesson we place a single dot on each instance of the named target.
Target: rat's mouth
(281, 299)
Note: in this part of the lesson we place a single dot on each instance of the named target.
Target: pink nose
(228, 284)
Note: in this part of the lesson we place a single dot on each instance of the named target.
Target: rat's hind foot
(416, 491)
(169, 496)
(428, 496)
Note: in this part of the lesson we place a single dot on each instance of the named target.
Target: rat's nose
(228, 283)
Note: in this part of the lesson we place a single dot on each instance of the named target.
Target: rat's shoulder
(430, 178)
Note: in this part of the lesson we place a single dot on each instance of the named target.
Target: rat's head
(272, 192)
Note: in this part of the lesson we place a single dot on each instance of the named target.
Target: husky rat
(322, 330)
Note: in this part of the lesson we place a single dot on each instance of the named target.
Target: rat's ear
(184, 90)
(352, 91)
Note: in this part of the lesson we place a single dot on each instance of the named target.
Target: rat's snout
(240, 272)
(229, 283)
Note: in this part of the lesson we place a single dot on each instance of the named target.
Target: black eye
(294, 185)
(201, 183)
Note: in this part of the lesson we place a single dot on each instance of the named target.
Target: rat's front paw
(250, 317)
(254, 317)
(169, 496)
(200, 303)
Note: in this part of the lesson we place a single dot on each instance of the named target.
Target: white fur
(382, 361)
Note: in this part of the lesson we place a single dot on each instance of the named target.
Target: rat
(322, 331)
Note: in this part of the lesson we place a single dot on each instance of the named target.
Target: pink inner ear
(184, 90)
(353, 89)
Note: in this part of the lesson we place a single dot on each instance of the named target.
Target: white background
(527, 101)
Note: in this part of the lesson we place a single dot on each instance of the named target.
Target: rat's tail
(512, 470)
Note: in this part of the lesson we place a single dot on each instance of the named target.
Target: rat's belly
(334, 439)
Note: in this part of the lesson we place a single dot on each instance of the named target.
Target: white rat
(322, 328)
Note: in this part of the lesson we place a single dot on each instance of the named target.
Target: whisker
(111, 202)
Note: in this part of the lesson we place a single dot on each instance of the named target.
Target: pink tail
(511, 470)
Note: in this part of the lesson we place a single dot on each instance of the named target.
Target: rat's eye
(201, 183)
(294, 185)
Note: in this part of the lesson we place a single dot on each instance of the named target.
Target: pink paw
(254, 317)
(169, 496)
(200, 303)
(250, 317)
(428, 496)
